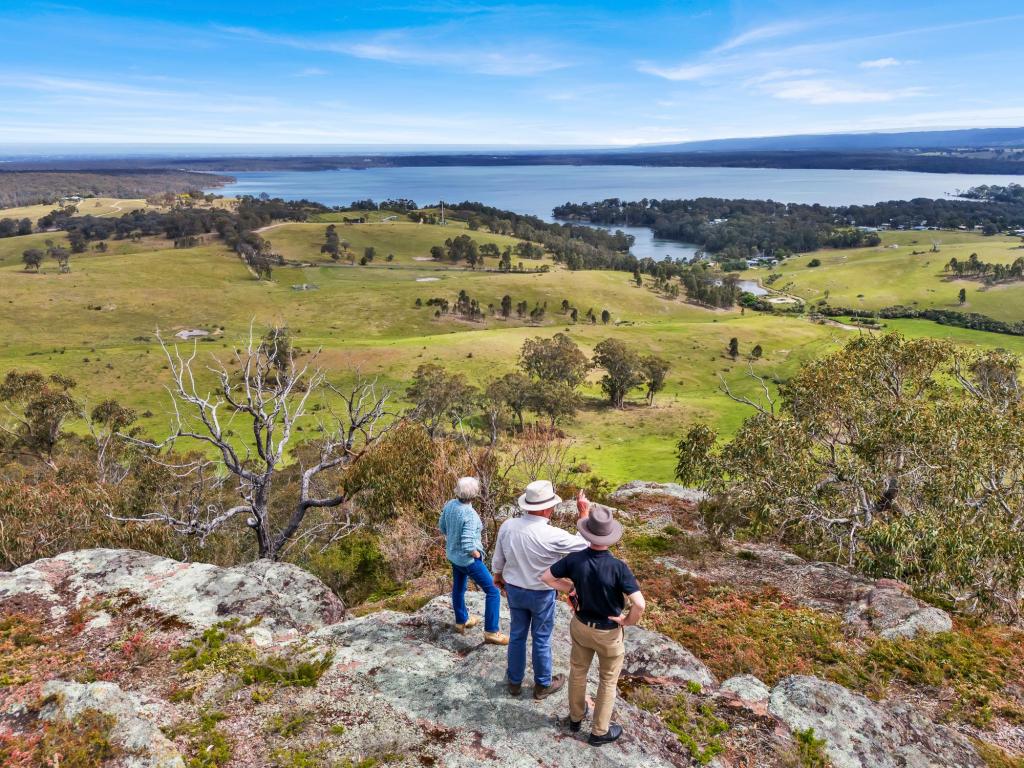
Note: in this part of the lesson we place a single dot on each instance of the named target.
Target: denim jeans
(477, 571)
(533, 612)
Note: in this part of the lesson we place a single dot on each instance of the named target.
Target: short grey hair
(467, 488)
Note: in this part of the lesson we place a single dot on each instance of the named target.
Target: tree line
(22, 187)
(988, 272)
(547, 383)
(742, 228)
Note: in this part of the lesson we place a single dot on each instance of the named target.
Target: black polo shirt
(602, 582)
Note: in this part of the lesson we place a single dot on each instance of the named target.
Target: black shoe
(514, 689)
(543, 691)
(614, 731)
(574, 727)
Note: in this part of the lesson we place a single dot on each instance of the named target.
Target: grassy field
(872, 278)
(97, 324)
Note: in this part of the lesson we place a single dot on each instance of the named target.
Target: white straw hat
(540, 495)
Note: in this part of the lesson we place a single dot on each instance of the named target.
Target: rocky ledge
(403, 688)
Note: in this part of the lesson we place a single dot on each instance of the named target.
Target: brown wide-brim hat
(600, 526)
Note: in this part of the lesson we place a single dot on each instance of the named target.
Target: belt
(598, 624)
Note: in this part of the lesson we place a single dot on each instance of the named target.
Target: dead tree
(267, 394)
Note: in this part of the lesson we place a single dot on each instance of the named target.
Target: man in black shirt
(602, 585)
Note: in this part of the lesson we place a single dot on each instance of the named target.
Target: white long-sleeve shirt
(527, 546)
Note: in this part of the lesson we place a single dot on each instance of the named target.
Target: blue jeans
(477, 571)
(533, 611)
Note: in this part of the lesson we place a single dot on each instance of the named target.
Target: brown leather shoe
(542, 692)
(514, 689)
(471, 622)
(495, 638)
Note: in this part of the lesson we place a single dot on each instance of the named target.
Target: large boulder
(890, 610)
(643, 488)
(286, 598)
(136, 720)
(415, 668)
(860, 733)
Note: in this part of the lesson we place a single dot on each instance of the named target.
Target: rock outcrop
(286, 598)
(136, 728)
(636, 488)
(859, 733)
(884, 606)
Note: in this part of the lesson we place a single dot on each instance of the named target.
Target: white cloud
(821, 91)
(690, 72)
(312, 72)
(766, 32)
(883, 63)
(401, 47)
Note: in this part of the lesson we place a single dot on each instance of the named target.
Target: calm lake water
(537, 190)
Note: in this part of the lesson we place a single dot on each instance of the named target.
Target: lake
(537, 189)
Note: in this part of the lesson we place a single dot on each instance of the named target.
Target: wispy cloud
(312, 72)
(883, 63)
(403, 47)
(692, 71)
(765, 32)
(822, 91)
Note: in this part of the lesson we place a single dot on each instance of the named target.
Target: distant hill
(971, 138)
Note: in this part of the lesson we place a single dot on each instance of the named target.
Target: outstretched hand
(582, 504)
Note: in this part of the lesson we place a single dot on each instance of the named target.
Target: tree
(734, 348)
(963, 296)
(606, 316)
(506, 306)
(514, 390)
(554, 399)
(756, 352)
(655, 371)
(463, 248)
(623, 369)
(505, 264)
(33, 259)
(638, 278)
(345, 245)
(693, 452)
(25, 227)
(269, 394)
(555, 360)
(439, 396)
(36, 408)
(369, 253)
(62, 257)
(332, 245)
(436, 252)
(898, 456)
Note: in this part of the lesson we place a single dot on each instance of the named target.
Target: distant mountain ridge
(966, 138)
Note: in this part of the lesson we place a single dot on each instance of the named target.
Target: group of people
(532, 562)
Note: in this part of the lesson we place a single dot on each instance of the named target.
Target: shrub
(811, 750)
(207, 745)
(213, 648)
(291, 669)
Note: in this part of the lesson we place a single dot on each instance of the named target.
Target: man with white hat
(603, 586)
(526, 547)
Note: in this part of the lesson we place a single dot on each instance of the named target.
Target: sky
(465, 73)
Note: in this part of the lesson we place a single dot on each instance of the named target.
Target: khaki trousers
(610, 649)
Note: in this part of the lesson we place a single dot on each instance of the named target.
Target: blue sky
(462, 72)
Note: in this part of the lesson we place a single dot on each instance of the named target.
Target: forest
(19, 187)
(740, 228)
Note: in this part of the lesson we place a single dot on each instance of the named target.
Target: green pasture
(872, 278)
(97, 325)
(408, 241)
